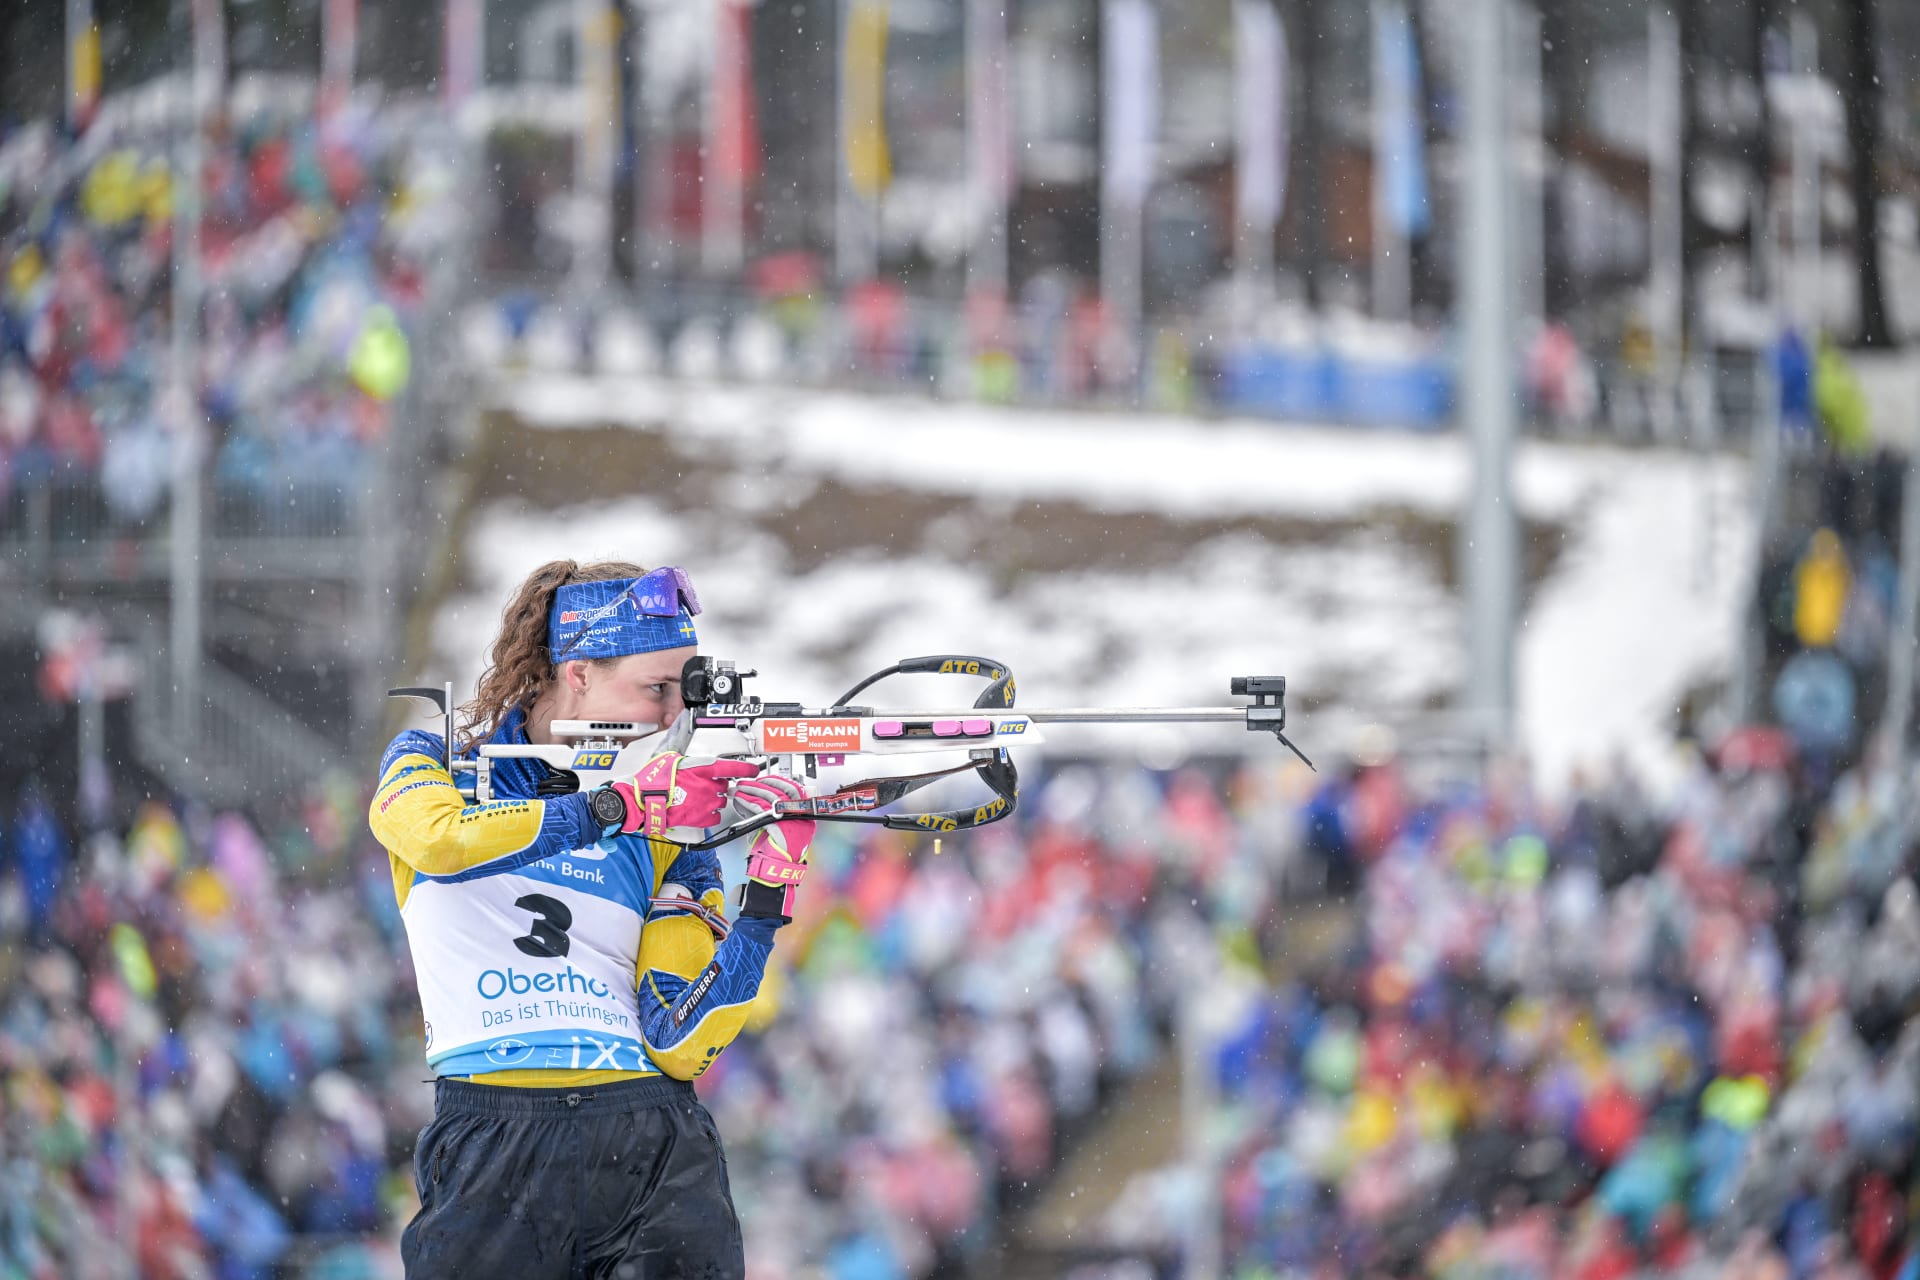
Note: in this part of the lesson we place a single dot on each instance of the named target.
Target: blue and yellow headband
(620, 616)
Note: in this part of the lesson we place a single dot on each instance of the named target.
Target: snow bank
(1640, 604)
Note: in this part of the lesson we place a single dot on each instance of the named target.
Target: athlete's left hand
(777, 858)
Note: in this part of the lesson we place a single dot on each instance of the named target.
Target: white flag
(991, 158)
(209, 52)
(463, 55)
(1132, 67)
(1260, 91)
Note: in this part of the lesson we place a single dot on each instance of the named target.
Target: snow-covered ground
(1320, 554)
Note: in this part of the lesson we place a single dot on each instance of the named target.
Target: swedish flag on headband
(620, 616)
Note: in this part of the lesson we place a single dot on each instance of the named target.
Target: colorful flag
(863, 83)
(597, 31)
(736, 119)
(732, 159)
(83, 65)
(1400, 184)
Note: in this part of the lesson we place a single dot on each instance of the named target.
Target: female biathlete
(575, 979)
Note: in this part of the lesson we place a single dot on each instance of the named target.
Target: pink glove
(777, 858)
(669, 792)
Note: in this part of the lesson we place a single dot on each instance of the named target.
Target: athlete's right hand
(671, 792)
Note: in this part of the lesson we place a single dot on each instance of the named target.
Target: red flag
(339, 38)
(736, 121)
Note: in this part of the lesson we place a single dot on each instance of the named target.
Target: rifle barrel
(1136, 715)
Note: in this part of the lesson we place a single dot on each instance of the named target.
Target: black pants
(621, 1181)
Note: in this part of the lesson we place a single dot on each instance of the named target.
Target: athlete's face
(640, 686)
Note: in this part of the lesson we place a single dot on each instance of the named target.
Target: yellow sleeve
(429, 828)
(695, 995)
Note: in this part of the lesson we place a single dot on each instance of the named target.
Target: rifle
(723, 721)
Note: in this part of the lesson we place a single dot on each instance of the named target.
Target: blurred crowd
(945, 1019)
(315, 238)
(1607, 1039)
(1606, 1036)
(239, 1010)
(1054, 342)
(234, 1009)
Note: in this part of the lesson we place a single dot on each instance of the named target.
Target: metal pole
(595, 23)
(1763, 429)
(1488, 551)
(92, 713)
(1906, 618)
(843, 268)
(1203, 1243)
(1129, 109)
(1766, 473)
(988, 145)
(1702, 385)
(654, 171)
(1664, 231)
(1529, 115)
(723, 195)
(1804, 166)
(126, 1109)
(1120, 232)
(1392, 273)
(185, 532)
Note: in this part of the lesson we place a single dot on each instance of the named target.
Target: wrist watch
(609, 807)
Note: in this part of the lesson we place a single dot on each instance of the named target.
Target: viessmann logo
(810, 735)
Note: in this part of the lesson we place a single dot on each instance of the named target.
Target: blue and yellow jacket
(535, 940)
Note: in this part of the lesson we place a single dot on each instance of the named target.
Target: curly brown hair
(519, 667)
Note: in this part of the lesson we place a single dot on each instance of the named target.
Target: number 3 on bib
(551, 920)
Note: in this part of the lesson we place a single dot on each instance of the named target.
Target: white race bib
(532, 968)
